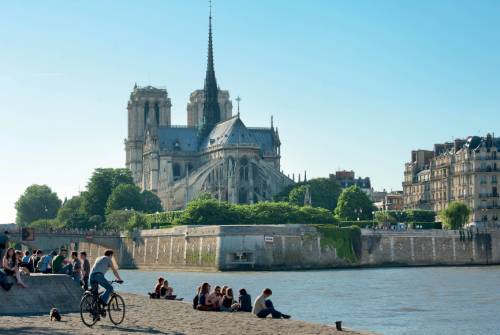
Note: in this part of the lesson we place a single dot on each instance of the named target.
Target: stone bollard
(338, 325)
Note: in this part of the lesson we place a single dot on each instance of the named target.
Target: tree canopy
(353, 203)
(324, 193)
(150, 202)
(456, 215)
(125, 196)
(37, 202)
(100, 186)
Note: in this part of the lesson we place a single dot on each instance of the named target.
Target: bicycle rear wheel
(88, 310)
(116, 309)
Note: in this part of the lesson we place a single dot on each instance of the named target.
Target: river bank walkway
(146, 316)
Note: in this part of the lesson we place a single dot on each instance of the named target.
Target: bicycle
(91, 309)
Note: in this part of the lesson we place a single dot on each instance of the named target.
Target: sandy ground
(146, 316)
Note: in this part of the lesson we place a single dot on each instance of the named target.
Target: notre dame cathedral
(215, 153)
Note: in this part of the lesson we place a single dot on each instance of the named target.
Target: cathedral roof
(232, 131)
(178, 139)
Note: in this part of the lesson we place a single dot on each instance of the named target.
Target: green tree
(456, 215)
(150, 202)
(383, 217)
(354, 203)
(118, 220)
(37, 202)
(100, 186)
(324, 193)
(46, 224)
(71, 214)
(125, 196)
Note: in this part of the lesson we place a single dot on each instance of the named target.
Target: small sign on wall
(269, 239)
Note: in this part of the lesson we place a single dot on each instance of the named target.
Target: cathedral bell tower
(148, 109)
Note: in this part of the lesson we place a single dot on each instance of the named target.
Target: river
(431, 300)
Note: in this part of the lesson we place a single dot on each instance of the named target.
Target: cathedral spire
(211, 109)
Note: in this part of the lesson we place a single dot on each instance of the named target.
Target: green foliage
(324, 193)
(385, 217)
(71, 215)
(37, 202)
(420, 215)
(46, 224)
(213, 212)
(117, 220)
(361, 223)
(100, 186)
(124, 196)
(456, 215)
(162, 219)
(353, 199)
(137, 221)
(150, 202)
(346, 241)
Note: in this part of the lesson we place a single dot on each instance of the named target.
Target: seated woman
(244, 303)
(23, 268)
(214, 299)
(11, 266)
(228, 303)
(157, 292)
(202, 297)
(166, 292)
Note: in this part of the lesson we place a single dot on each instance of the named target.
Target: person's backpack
(4, 282)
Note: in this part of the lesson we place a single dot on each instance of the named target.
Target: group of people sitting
(163, 291)
(17, 264)
(222, 299)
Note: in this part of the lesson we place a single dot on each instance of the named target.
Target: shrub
(118, 220)
(420, 215)
(346, 241)
(46, 224)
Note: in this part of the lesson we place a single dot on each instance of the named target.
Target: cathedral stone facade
(215, 153)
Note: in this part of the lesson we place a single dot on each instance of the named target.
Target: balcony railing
(488, 195)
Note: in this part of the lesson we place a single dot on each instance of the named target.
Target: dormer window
(212, 141)
(177, 145)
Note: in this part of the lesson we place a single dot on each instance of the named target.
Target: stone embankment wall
(43, 293)
(281, 247)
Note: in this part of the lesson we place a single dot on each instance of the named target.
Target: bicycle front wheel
(116, 309)
(88, 310)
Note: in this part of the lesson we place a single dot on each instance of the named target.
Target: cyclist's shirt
(101, 265)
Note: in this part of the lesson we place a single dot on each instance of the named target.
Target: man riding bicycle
(101, 266)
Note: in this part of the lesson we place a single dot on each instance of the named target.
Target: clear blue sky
(351, 84)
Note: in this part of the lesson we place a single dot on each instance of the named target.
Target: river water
(431, 300)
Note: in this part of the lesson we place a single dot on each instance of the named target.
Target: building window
(176, 169)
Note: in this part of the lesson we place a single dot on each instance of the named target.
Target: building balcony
(486, 169)
(485, 207)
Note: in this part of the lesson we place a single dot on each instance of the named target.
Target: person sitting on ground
(101, 266)
(228, 304)
(244, 303)
(166, 292)
(11, 266)
(214, 298)
(203, 304)
(85, 270)
(76, 264)
(263, 306)
(59, 265)
(156, 293)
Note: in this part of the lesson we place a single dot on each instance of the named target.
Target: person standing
(77, 268)
(85, 270)
(101, 266)
(263, 306)
(4, 241)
